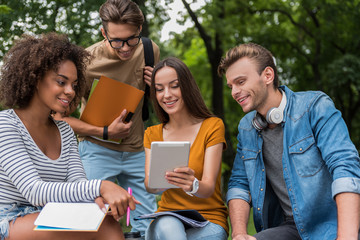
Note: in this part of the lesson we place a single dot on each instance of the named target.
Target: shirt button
(261, 189)
(242, 157)
(289, 189)
(300, 149)
(262, 169)
(258, 209)
(259, 150)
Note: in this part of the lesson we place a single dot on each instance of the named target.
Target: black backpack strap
(149, 61)
(148, 52)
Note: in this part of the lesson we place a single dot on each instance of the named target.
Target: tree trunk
(145, 28)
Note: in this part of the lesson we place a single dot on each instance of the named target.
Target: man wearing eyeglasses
(119, 56)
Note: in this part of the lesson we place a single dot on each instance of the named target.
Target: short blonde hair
(260, 55)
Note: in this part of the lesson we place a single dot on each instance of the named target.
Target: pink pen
(128, 209)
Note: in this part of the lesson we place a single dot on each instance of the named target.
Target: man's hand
(118, 129)
(147, 75)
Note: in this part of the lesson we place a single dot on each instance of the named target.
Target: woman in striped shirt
(39, 160)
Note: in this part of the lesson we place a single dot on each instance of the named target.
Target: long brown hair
(190, 91)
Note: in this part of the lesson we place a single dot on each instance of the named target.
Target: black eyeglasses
(119, 43)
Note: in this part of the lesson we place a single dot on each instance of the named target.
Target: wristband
(105, 133)
(195, 187)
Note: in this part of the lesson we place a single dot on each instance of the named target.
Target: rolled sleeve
(238, 193)
(347, 184)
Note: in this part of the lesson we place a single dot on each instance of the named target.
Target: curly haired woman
(39, 161)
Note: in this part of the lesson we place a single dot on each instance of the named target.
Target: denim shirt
(319, 161)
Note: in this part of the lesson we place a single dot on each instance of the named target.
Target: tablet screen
(165, 156)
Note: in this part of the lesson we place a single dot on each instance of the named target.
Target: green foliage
(344, 72)
(306, 37)
(343, 76)
(78, 19)
(195, 58)
(156, 16)
(4, 9)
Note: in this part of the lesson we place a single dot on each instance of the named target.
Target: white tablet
(165, 156)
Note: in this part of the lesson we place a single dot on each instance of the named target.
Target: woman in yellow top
(185, 117)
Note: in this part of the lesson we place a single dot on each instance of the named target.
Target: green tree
(210, 32)
(306, 37)
(77, 19)
(343, 75)
(4, 9)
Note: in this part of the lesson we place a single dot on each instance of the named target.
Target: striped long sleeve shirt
(29, 177)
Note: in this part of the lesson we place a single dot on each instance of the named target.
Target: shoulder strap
(148, 51)
(149, 61)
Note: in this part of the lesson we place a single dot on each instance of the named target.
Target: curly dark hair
(30, 59)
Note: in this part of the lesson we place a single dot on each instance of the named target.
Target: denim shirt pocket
(306, 157)
(249, 158)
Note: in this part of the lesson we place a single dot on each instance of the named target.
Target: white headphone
(274, 115)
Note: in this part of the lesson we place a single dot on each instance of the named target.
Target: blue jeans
(171, 228)
(128, 168)
(9, 212)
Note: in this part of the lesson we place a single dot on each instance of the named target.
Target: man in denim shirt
(295, 163)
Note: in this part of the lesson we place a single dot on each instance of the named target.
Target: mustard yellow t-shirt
(211, 132)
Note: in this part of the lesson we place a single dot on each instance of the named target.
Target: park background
(315, 42)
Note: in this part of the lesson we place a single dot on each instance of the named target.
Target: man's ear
(268, 75)
(103, 32)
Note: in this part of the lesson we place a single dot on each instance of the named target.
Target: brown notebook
(108, 99)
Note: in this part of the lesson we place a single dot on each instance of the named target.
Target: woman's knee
(166, 227)
(110, 229)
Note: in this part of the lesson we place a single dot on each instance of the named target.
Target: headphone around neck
(274, 115)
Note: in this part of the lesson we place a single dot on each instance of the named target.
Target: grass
(123, 224)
